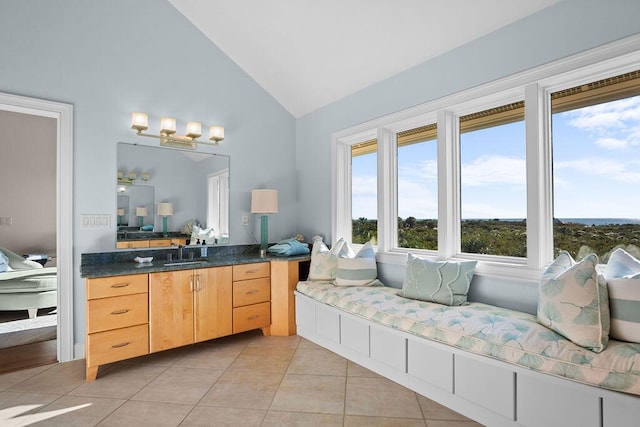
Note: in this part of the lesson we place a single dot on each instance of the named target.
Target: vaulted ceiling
(309, 53)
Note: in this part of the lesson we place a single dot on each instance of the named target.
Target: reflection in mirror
(195, 184)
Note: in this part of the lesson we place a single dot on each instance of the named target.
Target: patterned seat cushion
(503, 334)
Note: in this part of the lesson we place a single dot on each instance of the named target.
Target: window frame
(534, 87)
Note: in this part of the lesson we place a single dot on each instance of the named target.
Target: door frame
(63, 113)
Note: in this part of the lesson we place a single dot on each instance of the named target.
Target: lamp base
(165, 231)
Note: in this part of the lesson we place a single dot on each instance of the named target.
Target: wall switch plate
(245, 219)
(6, 221)
(95, 222)
(203, 252)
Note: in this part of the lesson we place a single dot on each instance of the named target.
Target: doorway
(54, 251)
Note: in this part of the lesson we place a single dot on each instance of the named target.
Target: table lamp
(141, 213)
(264, 202)
(165, 210)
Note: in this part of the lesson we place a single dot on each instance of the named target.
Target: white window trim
(534, 86)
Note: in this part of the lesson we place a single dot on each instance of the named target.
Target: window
(418, 188)
(217, 202)
(364, 192)
(506, 173)
(493, 198)
(596, 167)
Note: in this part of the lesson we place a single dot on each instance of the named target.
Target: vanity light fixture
(165, 210)
(132, 176)
(264, 202)
(167, 136)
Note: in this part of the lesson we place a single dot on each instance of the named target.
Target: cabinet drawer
(178, 241)
(117, 312)
(159, 243)
(247, 292)
(132, 244)
(119, 344)
(251, 317)
(251, 271)
(117, 285)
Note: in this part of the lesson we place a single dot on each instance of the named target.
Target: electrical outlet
(245, 219)
(6, 221)
(203, 252)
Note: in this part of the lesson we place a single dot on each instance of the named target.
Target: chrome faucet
(180, 252)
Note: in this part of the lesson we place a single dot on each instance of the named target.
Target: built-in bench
(494, 365)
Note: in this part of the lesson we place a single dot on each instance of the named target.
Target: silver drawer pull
(253, 317)
(126, 310)
(120, 285)
(124, 344)
(253, 292)
(251, 271)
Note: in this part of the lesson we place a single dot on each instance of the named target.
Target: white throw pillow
(359, 269)
(623, 280)
(573, 301)
(324, 262)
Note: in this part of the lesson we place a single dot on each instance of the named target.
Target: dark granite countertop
(122, 262)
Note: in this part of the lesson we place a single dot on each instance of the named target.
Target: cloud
(617, 123)
(491, 170)
(610, 169)
(612, 143)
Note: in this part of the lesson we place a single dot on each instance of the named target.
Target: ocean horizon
(585, 221)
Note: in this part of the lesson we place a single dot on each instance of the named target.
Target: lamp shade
(121, 211)
(141, 211)
(165, 209)
(264, 201)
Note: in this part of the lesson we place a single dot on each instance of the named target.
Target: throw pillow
(623, 280)
(324, 262)
(573, 301)
(622, 264)
(4, 263)
(359, 269)
(444, 282)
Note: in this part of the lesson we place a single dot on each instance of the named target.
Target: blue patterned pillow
(573, 301)
(324, 262)
(623, 281)
(4, 263)
(359, 269)
(444, 282)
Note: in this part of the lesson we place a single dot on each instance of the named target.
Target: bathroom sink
(171, 264)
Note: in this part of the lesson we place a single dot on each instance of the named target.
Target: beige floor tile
(273, 341)
(308, 345)
(76, 411)
(278, 418)
(264, 359)
(16, 405)
(435, 411)
(445, 423)
(143, 414)
(179, 385)
(161, 358)
(210, 416)
(12, 378)
(120, 382)
(317, 362)
(60, 378)
(355, 370)
(310, 393)
(243, 389)
(360, 421)
(209, 357)
(380, 397)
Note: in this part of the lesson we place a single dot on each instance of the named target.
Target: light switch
(6, 221)
(95, 222)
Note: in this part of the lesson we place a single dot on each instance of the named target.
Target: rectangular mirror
(194, 187)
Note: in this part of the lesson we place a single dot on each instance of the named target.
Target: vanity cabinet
(117, 320)
(251, 297)
(150, 243)
(132, 244)
(188, 306)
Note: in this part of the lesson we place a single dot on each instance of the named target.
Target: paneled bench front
(441, 356)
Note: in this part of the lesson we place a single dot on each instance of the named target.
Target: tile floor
(247, 380)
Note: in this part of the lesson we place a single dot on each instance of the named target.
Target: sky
(596, 156)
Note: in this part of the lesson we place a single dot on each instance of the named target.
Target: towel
(4, 263)
(289, 247)
(148, 227)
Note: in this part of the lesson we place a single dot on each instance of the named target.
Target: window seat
(484, 361)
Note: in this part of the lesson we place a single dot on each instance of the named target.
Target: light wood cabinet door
(171, 313)
(213, 302)
(159, 243)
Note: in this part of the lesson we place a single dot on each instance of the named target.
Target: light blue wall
(109, 58)
(561, 30)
